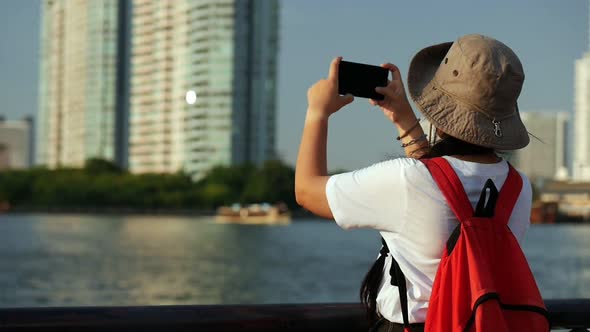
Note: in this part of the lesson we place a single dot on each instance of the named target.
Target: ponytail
(371, 284)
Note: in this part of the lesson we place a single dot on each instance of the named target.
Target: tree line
(101, 184)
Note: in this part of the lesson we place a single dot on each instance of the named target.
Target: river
(75, 260)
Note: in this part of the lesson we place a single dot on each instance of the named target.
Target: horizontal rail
(313, 317)
(564, 314)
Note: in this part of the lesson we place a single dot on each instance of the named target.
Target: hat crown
(483, 72)
(469, 89)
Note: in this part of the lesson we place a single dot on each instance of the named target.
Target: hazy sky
(547, 36)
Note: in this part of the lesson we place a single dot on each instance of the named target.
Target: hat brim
(454, 117)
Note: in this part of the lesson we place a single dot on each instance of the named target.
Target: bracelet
(409, 130)
(414, 141)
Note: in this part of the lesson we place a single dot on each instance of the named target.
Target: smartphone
(360, 80)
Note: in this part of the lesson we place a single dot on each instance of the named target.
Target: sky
(548, 36)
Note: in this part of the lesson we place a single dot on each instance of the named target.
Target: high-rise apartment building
(224, 50)
(545, 156)
(159, 80)
(16, 144)
(581, 148)
(83, 68)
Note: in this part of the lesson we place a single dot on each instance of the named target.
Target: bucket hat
(468, 89)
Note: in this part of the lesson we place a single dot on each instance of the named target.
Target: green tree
(15, 186)
(273, 182)
(103, 184)
(99, 166)
(233, 178)
(213, 195)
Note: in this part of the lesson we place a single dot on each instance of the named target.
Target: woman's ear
(440, 133)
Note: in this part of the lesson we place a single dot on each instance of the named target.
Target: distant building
(15, 144)
(545, 157)
(83, 82)
(573, 198)
(581, 156)
(226, 51)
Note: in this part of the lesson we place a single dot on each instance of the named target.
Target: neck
(488, 158)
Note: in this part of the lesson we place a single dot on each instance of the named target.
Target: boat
(4, 206)
(544, 212)
(254, 214)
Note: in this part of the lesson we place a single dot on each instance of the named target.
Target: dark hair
(449, 145)
(371, 283)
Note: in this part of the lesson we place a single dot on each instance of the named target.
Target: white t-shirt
(400, 199)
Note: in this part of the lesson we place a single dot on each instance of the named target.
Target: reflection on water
(106, 260)
(560, 259)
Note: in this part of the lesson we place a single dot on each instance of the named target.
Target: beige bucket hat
(468, 89)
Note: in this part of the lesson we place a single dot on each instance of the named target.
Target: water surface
(54, 260)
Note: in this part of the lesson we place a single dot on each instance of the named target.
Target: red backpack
(483, 282)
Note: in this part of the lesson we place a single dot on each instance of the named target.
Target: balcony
(564, 314)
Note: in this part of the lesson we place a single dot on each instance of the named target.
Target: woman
(468, 91)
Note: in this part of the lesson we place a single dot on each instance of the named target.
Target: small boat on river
(254, 214)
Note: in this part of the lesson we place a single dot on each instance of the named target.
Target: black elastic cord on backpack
(483, 208)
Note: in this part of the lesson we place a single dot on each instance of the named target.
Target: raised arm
(311, 172)
(396, 107)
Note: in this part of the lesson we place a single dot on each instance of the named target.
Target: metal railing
(571, 314)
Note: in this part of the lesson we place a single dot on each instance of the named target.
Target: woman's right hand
(395, 105)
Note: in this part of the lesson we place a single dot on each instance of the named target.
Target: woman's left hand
(323, 98)
(395, 105)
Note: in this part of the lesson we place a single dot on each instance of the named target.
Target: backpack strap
(509, 194)
(451, 187)
(397, 279)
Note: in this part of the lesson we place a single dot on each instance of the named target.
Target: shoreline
(298, 214)
(295, 215)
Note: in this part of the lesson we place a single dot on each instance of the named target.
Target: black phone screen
(360, 80)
